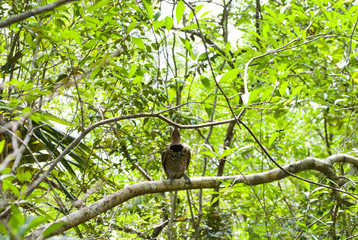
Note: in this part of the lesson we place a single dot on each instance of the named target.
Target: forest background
(264, 92)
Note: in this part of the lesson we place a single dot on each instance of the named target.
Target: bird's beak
(175, 132)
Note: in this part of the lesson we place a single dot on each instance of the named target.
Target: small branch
(257, 19)
(110, 201)
(33, 12)
(128, 156)
(350, 43)
(130, 230)
(328, 145)
(263, 55)
(284, 48)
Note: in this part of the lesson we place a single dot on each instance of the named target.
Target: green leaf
(188, 46)
(149, 8)
(92, 20)
(267, 93)
(97, 6)
(168, 23)
(28, 86)
(302, 225)
(132, 25)
(3, 231)
(227, 152)
(215, 200)
(137, 79)
(2, 144)
(265, 31)
(157, 24)
(230, 75)
(272, 75)
(37, 221)
(52, 228)
(338, 54)
(138, 42)
(12, 187)
(157, 15)
(192, 26)
(202, 57)
(5, 171)
(65, 190)
(273, 138)
(272, 13)
(47, 117)
(254, 236)
(25, 227)
(132, 70)
(30, 41)
(205, 81)
(297, 90)
(322, 45)
(71, 34)
(227, 47)
(283, 88)
(90, 44)
(17, 218)
(208, 109)
(179, 11)
(197, 9)
(210, 154)
(95, 72)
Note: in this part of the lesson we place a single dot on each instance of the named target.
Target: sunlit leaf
(205, 81)
(52, 228)
(179, 11)
(158, 24)
(230, 74)
(16, 218)
(131, 26)
(273, 138)
(97, 6)
(132, 70)
(192, 26)
(2, 144)
(168, 23)
(138, 41)
(148, 8)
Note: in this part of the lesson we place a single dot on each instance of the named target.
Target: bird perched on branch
(176, 157)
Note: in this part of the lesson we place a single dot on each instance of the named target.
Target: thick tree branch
(33, 12)
(141, 188)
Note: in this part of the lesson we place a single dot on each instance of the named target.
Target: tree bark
(108, 202)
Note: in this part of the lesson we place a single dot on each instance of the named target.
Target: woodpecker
(176, 157)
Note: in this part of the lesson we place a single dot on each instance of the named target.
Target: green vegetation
(90, 90)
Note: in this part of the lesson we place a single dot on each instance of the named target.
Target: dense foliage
(288, 69)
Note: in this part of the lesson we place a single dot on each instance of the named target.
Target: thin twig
(33, 12)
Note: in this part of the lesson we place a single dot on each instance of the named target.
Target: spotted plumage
(176, 157)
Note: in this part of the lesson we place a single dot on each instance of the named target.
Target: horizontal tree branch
(76, 141)
(142, 188)
(33, 12)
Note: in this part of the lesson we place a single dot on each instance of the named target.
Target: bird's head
(175, 136)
